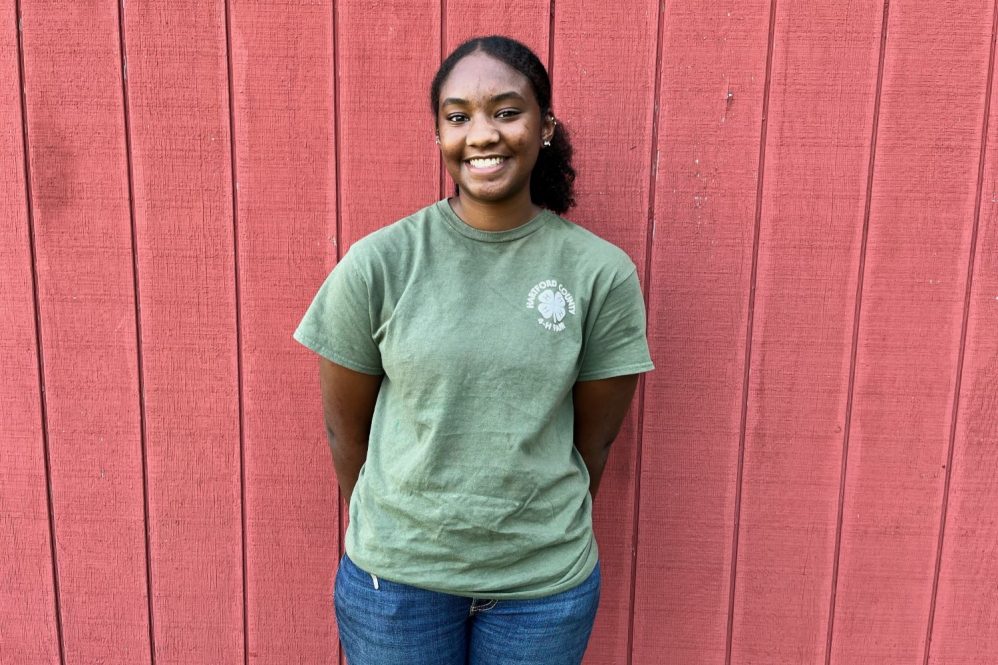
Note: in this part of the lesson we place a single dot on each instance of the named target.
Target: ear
(547, 131)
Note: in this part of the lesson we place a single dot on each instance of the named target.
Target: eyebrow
(501, 97)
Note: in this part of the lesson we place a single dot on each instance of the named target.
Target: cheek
(529, 141)
(530, 150)
(450, 150)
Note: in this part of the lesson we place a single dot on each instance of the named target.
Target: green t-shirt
(472, 484)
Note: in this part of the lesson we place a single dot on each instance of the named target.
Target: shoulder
(594, 254)
(396, 235)
(392, 244)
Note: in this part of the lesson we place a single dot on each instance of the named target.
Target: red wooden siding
(80, 216)
(610, 118)
(182, 191)
(821, 108)
(808, 189)
(284, 170)
(965, 625)
(922, 210)
(713, 79)
(27, 604)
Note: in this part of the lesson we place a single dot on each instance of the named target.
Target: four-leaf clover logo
(553, 301)
(551, 304)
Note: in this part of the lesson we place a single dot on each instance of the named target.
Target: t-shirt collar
(469, 231)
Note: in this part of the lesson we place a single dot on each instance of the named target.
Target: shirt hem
(616, 371)
(335, 357)
(592, 558)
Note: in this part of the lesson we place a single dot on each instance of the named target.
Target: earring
(554, 123)
(438, 139)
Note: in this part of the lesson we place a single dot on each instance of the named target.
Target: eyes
(457, 118)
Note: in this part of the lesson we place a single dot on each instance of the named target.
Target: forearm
(594, 456)
(600, 407)
(348, 401)
(348, 457)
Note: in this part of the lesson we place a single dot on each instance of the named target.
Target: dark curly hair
(551, 181)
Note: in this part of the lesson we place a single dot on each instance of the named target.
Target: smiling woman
(512, 91)
(477, 360)
(490, 128)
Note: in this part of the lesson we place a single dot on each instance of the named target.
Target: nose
(481, 132)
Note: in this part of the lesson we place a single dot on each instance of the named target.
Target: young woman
(478, 358)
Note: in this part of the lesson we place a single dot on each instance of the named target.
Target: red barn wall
(808, 189)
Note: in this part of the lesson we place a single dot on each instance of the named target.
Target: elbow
(596, 448)
(330, 434)
(345, 442)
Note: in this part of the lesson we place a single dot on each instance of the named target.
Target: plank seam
(748, 333)
(963, 336)
(238, 324)
(443, 54)
(649, 241)
(551, 28)
(40, 358)
(850, 390)
(338, 253)
(138, 323)
(337, 148)
(339, 215)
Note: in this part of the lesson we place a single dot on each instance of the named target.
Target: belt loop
(374, 578)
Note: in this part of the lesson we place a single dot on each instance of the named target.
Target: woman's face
(490, 129)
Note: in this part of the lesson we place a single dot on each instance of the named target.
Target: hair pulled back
(551, 181)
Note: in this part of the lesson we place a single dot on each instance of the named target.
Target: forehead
(478, 76)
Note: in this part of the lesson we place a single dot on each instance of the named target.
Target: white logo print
(553, 301)
(552, 305)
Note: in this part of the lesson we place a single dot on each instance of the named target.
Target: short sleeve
(616, 343)
(338, 324)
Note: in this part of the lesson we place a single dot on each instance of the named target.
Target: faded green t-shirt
(472, 485)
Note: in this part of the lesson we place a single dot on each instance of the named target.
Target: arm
(600, 407)
(348, 400)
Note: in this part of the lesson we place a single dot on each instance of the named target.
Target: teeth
(486, 163)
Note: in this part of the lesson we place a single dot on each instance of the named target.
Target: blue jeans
(387, 623)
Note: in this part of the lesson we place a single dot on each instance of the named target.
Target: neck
(495, 216)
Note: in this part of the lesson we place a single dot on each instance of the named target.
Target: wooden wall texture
(811, 474)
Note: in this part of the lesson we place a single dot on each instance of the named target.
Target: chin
(487, 194)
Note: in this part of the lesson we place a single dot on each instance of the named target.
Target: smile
(486, 163)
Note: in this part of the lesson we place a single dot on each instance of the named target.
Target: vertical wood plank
(389, 163)
(281, 60)
(526, 21)
(914, 287)
(609, 118)
(27, 594)
(79, 194)
(182, 184)
(821, 111)
(965, 627)
(705, 197)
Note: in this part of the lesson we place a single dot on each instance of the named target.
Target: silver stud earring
(438, 139)
(547, 143)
